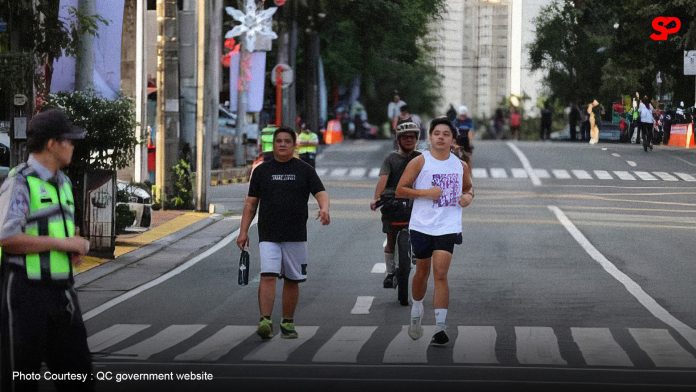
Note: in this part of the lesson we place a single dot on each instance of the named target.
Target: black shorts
(423, 245)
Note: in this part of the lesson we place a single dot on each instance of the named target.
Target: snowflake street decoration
(253, 23)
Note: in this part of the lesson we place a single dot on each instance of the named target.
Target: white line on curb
(163, 278)
(633, 288)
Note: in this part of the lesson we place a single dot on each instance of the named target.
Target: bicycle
(402, 251)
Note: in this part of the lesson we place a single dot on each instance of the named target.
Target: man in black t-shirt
(282, 187)
(393, 166)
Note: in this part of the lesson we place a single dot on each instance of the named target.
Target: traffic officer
(267, 142)
(307, 143)
(40, 318)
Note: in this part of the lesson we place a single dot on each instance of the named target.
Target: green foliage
(110, 142)
(182, 197)
(599, 49)
(124, 217)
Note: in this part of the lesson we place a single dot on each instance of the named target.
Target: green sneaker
(287, 330)
(265, 328)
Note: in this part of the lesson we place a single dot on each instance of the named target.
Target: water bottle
(243, 278)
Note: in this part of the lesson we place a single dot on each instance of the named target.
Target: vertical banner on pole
(257, 70)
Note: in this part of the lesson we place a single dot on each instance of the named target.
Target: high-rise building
(480, 48)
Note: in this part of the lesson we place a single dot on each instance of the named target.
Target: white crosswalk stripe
(542, 173)
(582, 175)
(339, 172)
(374, 172)
(603, 175)
(518, 172)
(662, 349)
(645, 176)
(666, 176)
(357, 172)
(497, 172)
(561, 174)
(685, 177)
(599, 348)
(538, 346)
(469, 345)
(478, 172)
(344, 345)
(624, 175)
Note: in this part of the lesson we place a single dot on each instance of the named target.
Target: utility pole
(140, 174)
(167, 97)
(208, 80)
(84, 68)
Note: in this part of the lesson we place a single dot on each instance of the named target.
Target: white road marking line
(525, 164)
(645, 176)
(616, 155)
(479, 173)
(599, 348)
(624, 175)
(662, 348)
(631, 163)
(603, 175)
(561, 174)
(221, 343)
(633, 288)
(498, 172)
(362, 305)
(475, 345)
(344, 345)
(403, 349)
(582, 174)
(278, 349)
(165, 339)
(379, 268)
(666, 176)
(113, 335)
(374, 172)
(604, 148)
(686, 177)
(163, 278)
(542, 173)
(322, 172)
(518, 172)
(357, 172)
(339, 172)
(538, 345)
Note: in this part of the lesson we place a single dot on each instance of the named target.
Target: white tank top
(442, 216)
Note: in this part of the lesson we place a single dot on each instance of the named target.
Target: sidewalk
(174, 238)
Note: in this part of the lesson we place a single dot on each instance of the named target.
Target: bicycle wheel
(403, 257)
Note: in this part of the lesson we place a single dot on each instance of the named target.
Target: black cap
(54, 124)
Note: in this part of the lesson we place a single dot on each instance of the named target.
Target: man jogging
(440, 184)
(282, 187)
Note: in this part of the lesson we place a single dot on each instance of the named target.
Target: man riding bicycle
(393, 166)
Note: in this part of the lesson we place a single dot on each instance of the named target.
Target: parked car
(608, 132)
(139, 201)
(4, 155)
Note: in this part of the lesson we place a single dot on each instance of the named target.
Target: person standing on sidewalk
(307, 144)
(282, 187)
(40, 317)
(440, 184)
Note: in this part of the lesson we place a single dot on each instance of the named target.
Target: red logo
(664, 26)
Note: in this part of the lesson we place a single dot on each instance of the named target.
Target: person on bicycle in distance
(394, 164)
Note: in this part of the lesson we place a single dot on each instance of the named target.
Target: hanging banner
(255, 84)
(107, 52)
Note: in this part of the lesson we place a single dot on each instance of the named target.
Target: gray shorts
(284, 259)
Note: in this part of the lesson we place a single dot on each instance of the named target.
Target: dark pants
(41, 322)
(585, 131)
(309, 157)
(545, 131)
(647, 133)
(573, 131)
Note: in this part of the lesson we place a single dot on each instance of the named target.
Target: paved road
(576, 272)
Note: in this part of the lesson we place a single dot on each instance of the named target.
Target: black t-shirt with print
(283, 190)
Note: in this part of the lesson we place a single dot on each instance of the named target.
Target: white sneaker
(415, 330)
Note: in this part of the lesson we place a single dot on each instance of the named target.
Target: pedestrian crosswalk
(532, 345)
(498, 173)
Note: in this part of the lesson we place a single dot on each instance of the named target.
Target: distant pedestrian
(451, 113)
(40, 317)
(464, 127)
(440, 185)
(584, 123)
(393, 109)
(282, 187)
(515, 123)
(594, 113)
(546, 121)
(573, 120)
(498, 124)
(307, 142)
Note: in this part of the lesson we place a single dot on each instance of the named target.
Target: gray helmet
(407, 127)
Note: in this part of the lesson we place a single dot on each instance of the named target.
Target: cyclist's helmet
(407, 127)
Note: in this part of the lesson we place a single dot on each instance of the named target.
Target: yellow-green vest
(308, 137)
(267, 138)
(52, 214)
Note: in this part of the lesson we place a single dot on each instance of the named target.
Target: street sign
(286, 73)
(690, 62)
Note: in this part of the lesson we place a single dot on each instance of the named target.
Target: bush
(182, 198)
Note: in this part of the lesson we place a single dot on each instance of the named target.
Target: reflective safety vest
(308, 137)
(267, 138)
(52, 214)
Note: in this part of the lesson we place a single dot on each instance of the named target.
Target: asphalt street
(576, 272)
